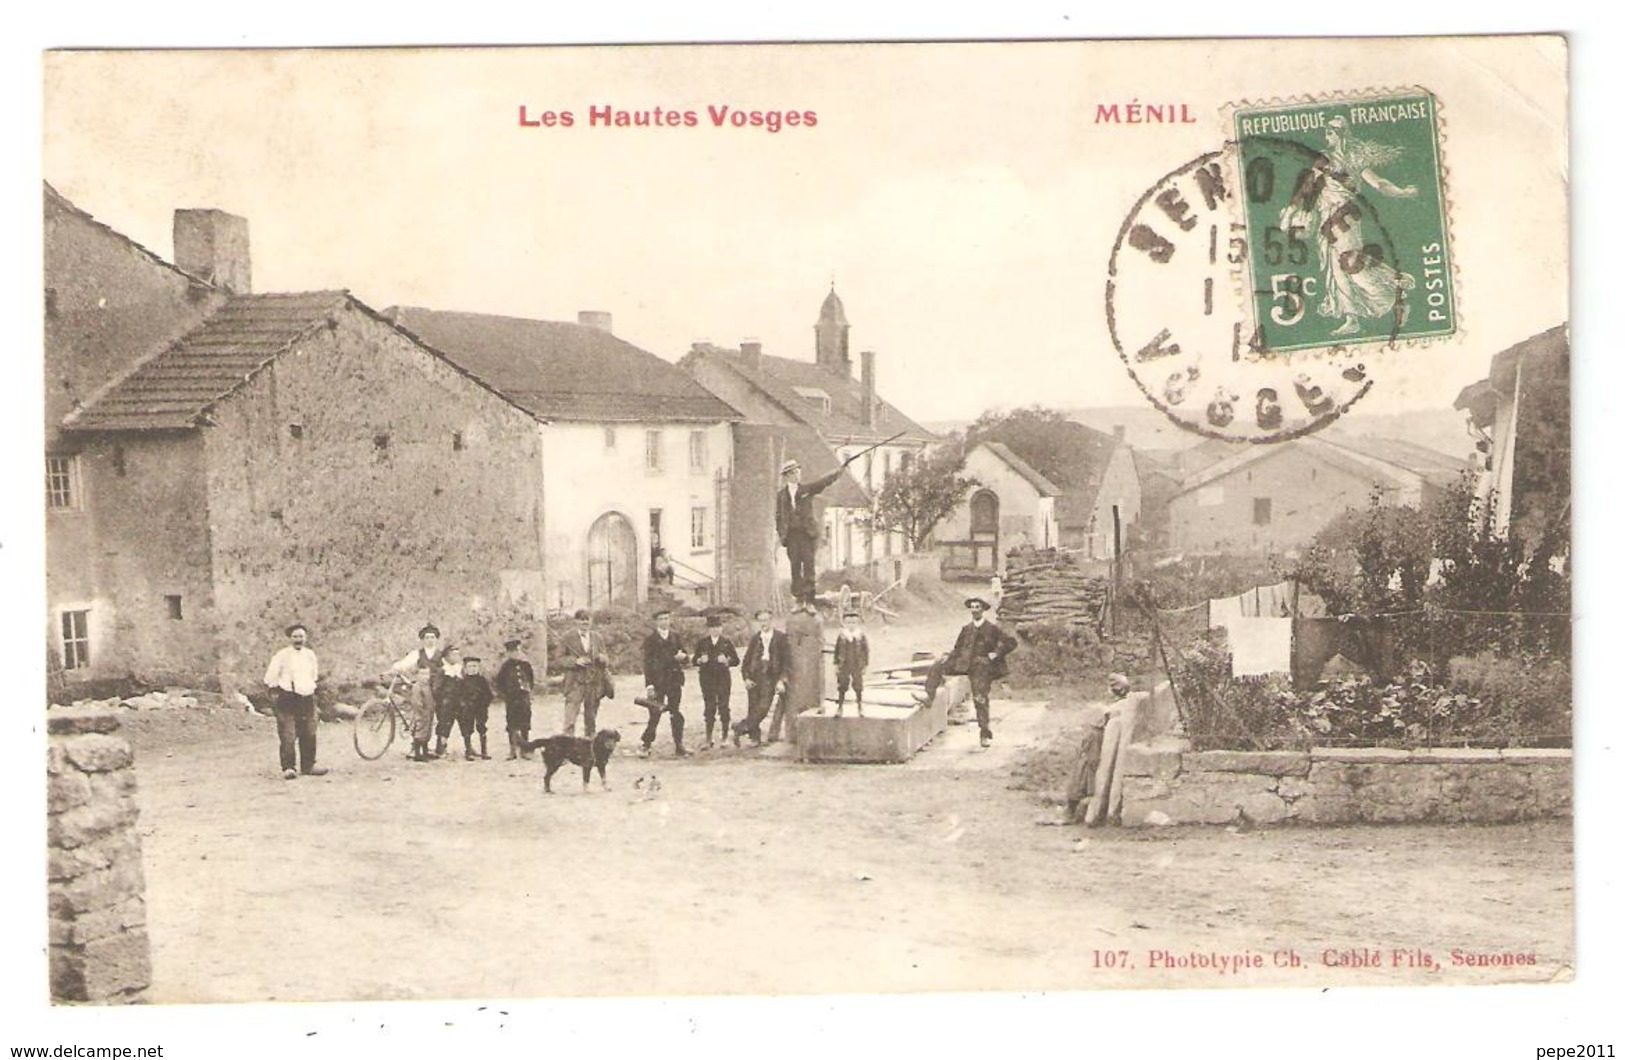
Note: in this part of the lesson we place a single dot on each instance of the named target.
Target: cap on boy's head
(428, 631)
(297, 625)
(1117, 682)
(582, 615)
(713, 620)
(664, 612)
(470, 659)
(452, 650)
(976, 601)
(762, 612)
(789, 466)
(511, 645)
(851, 614)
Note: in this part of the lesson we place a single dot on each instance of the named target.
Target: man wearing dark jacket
(663, 663)
(766, 663)
(979, 653)
(714, 654)
(799, 524)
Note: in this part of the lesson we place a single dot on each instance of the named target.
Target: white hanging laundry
(1260, 646)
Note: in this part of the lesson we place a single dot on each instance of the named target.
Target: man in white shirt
(292, 677)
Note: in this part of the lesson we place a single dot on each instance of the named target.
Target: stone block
(1145, 788)
(56, 759)
(118, 964)
(118, 784)
(1138, 813)
(1271, 763)
(97, 890)
(1149, 760)
(1327, 808)
(65, 790)
(1293, 788)
(68, 721)
(97, 752)
(130, 913)
(883, 734)
(88, 823)
(1363, 755)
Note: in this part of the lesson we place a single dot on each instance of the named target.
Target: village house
(1276, 498)
(1520, 413)
(1011, 507)
(845, 413)
(220, 463)
(1098, 489)
(638, 456)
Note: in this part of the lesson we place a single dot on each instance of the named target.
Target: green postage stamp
(1344, 204)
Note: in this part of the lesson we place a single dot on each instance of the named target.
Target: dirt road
(748, 873)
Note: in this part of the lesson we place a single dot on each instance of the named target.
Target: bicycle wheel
(374, 728)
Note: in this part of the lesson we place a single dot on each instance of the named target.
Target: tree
(1041, 435)
(917, 497)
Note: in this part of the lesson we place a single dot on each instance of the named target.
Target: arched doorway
(612, 562)
(984, 530)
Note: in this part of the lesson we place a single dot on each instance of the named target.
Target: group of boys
(764, 666)
(449, 690)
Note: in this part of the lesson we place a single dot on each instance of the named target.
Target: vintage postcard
(806, 519)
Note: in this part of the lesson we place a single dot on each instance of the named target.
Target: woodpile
(1047, 586)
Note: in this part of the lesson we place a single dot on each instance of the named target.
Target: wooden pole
(1148, 602)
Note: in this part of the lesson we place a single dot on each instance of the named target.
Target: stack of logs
(1047, 586)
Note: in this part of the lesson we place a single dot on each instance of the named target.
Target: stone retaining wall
(98, 912)
(1164, 783)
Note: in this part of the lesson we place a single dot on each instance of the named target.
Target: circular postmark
(1243, 284)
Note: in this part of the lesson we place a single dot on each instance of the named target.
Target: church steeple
(831, 341)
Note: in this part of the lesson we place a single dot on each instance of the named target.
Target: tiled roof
(1044, 486)
(1479, 398)
(1388, 459)
(568, 372)
(1434, 466)
(778, 378)
(175, 388)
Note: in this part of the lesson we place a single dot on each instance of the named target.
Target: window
(380, 442)
(696, 525)
(1261, 511)
(885, 475)
(456, 441)
(75, 640)
(174, 604)
(62, 482)
(120, 467)
(296, 430)
(816, 397)
(869, 472)
(698, 457)
(652, 461)
(609, 437)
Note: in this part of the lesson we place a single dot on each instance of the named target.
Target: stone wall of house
(98, 915)
(1165, 784)
(364, 486)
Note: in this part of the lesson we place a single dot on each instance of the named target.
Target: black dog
(557, 750)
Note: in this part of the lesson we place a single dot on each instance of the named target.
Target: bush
(623, 631)
(1529, 697)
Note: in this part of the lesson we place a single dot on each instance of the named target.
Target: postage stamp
(1345, 221)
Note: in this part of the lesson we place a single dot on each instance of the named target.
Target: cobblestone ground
(748, 873)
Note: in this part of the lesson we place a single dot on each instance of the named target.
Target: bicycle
(379, 717)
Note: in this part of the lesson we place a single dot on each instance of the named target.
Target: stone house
(845, 412)
(1094, 472)
(1012, 506)
(1276, 498)
(638, 454)
(220, 463)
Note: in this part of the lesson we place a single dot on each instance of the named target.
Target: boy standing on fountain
(851, 659)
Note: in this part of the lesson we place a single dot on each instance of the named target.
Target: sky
(960, 197)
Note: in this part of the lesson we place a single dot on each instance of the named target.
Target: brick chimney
(750, 351)
(871, 404)
(213, 245)
(597, 318)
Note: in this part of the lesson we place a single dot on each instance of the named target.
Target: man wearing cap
(979, 653)
(663, 675)
(515, 678)
(799, 524)
(292, 676)
(585, 668)
(714, 654)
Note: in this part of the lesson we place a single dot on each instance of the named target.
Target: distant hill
(1146, 428)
